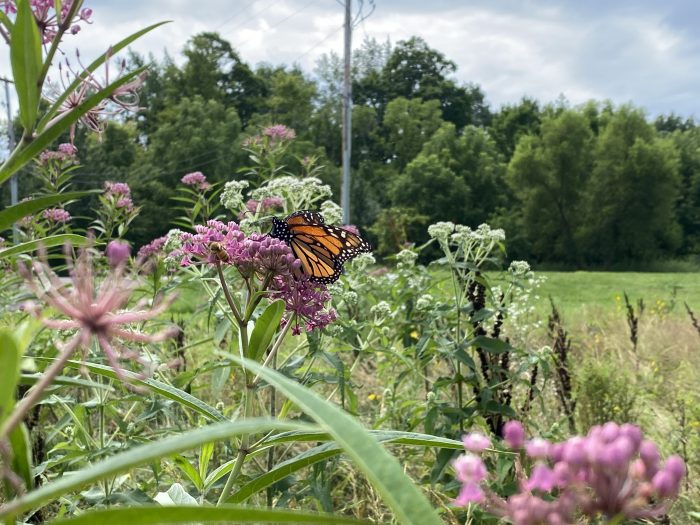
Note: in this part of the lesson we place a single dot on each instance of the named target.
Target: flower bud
(514, 434)
(117, 253)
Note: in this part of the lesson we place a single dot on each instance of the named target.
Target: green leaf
(491, 345)
(5, 20)
(382, 469)
(92, 67)
(316, 454)
(12, 214)
(188, 469)
(162, 389)
(10, 359)
(144, 454)
(21, 155)
(204, 457)
(22, 454)
(25, 56)
(265, 328)
(31, 380)
(46, 242)
(151, 515)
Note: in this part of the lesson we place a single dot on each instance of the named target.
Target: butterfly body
(321, 248)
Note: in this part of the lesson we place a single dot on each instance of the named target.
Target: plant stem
(243, 449)
(34, 394)
(227, 294)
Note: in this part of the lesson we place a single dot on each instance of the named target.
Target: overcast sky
(644, 51)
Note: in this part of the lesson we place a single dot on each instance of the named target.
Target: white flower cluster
(441, 230)
(298, 193)
(381, 310)
(232, 196)
(519, 268)
(332, 213)
(424, 302)
(361, 262)
(406, 258)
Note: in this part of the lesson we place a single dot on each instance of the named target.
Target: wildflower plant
(612, 474)
(199, 200)
(266, 151)
(116, 211)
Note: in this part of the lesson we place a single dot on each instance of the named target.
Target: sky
(644, 51)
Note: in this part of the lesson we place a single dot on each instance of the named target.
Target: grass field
(572, 291)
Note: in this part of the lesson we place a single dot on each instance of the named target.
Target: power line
(235, 15)
(333, 33)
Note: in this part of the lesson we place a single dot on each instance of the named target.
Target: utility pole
(347, 114)
(11, 146)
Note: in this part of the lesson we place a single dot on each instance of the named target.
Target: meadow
(261, 362)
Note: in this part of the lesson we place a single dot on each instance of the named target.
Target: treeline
(594, 185)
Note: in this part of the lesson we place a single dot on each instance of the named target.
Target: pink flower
(542, 478)
(469, 493)
(537, 448)
(56, 215)
(470, 468)
(305, 300)
(117, 189)
(67, 148)
(476, 442)
(514, 434)
(155, 247)
(195, 178)
(95, 309)
(279, 132)
(351, 228)
(117, 253)
(125, 203)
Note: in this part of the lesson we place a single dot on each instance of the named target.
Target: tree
(474, 156)
(414, 70)
(194, 135)
(514, 121)
(408, 125)
(548, 174)
(433, 190)
(633, 191)
(688, 145)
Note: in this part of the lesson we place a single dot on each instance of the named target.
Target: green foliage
(604, 393)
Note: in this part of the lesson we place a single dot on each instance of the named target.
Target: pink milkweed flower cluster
(119, 194)
(279, 132)
(123, 99)
(65, 153)
(612, 471)
(262, 256)
(95, 308)
(153, 248)
(46, 20)
(57, 215)
(306, 300)
(196, 179)
(264, 206)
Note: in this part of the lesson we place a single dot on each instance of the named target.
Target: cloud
(642, 51)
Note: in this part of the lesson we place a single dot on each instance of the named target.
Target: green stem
(227, 294)
(34, 394)
(62, 28)
(243, 449)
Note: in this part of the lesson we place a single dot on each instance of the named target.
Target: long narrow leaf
(150, 515)
(382, 469)
(265, 328)
(11, 214)
(162, 389)
(91, 68)
(327, 450)
(46, 242)
(25, 56)
(20, 156)
(144, 454)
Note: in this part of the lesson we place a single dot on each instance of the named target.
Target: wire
(235, 15)
(318, 43)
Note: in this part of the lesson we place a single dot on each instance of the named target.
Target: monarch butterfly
(321, 248)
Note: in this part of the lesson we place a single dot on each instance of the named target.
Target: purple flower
(476, 442)
(215, 243)
(541, 478)
(125, 203)
(195, 178)
(470, 468)
(469, 493)
(95, 309)
(305, 300)
(57, 215)
(155, 247)
(514, 434)
(279, 132)
(117, 189)
(67, 149)
(537, 448)
(117, 253)
(351, 228)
